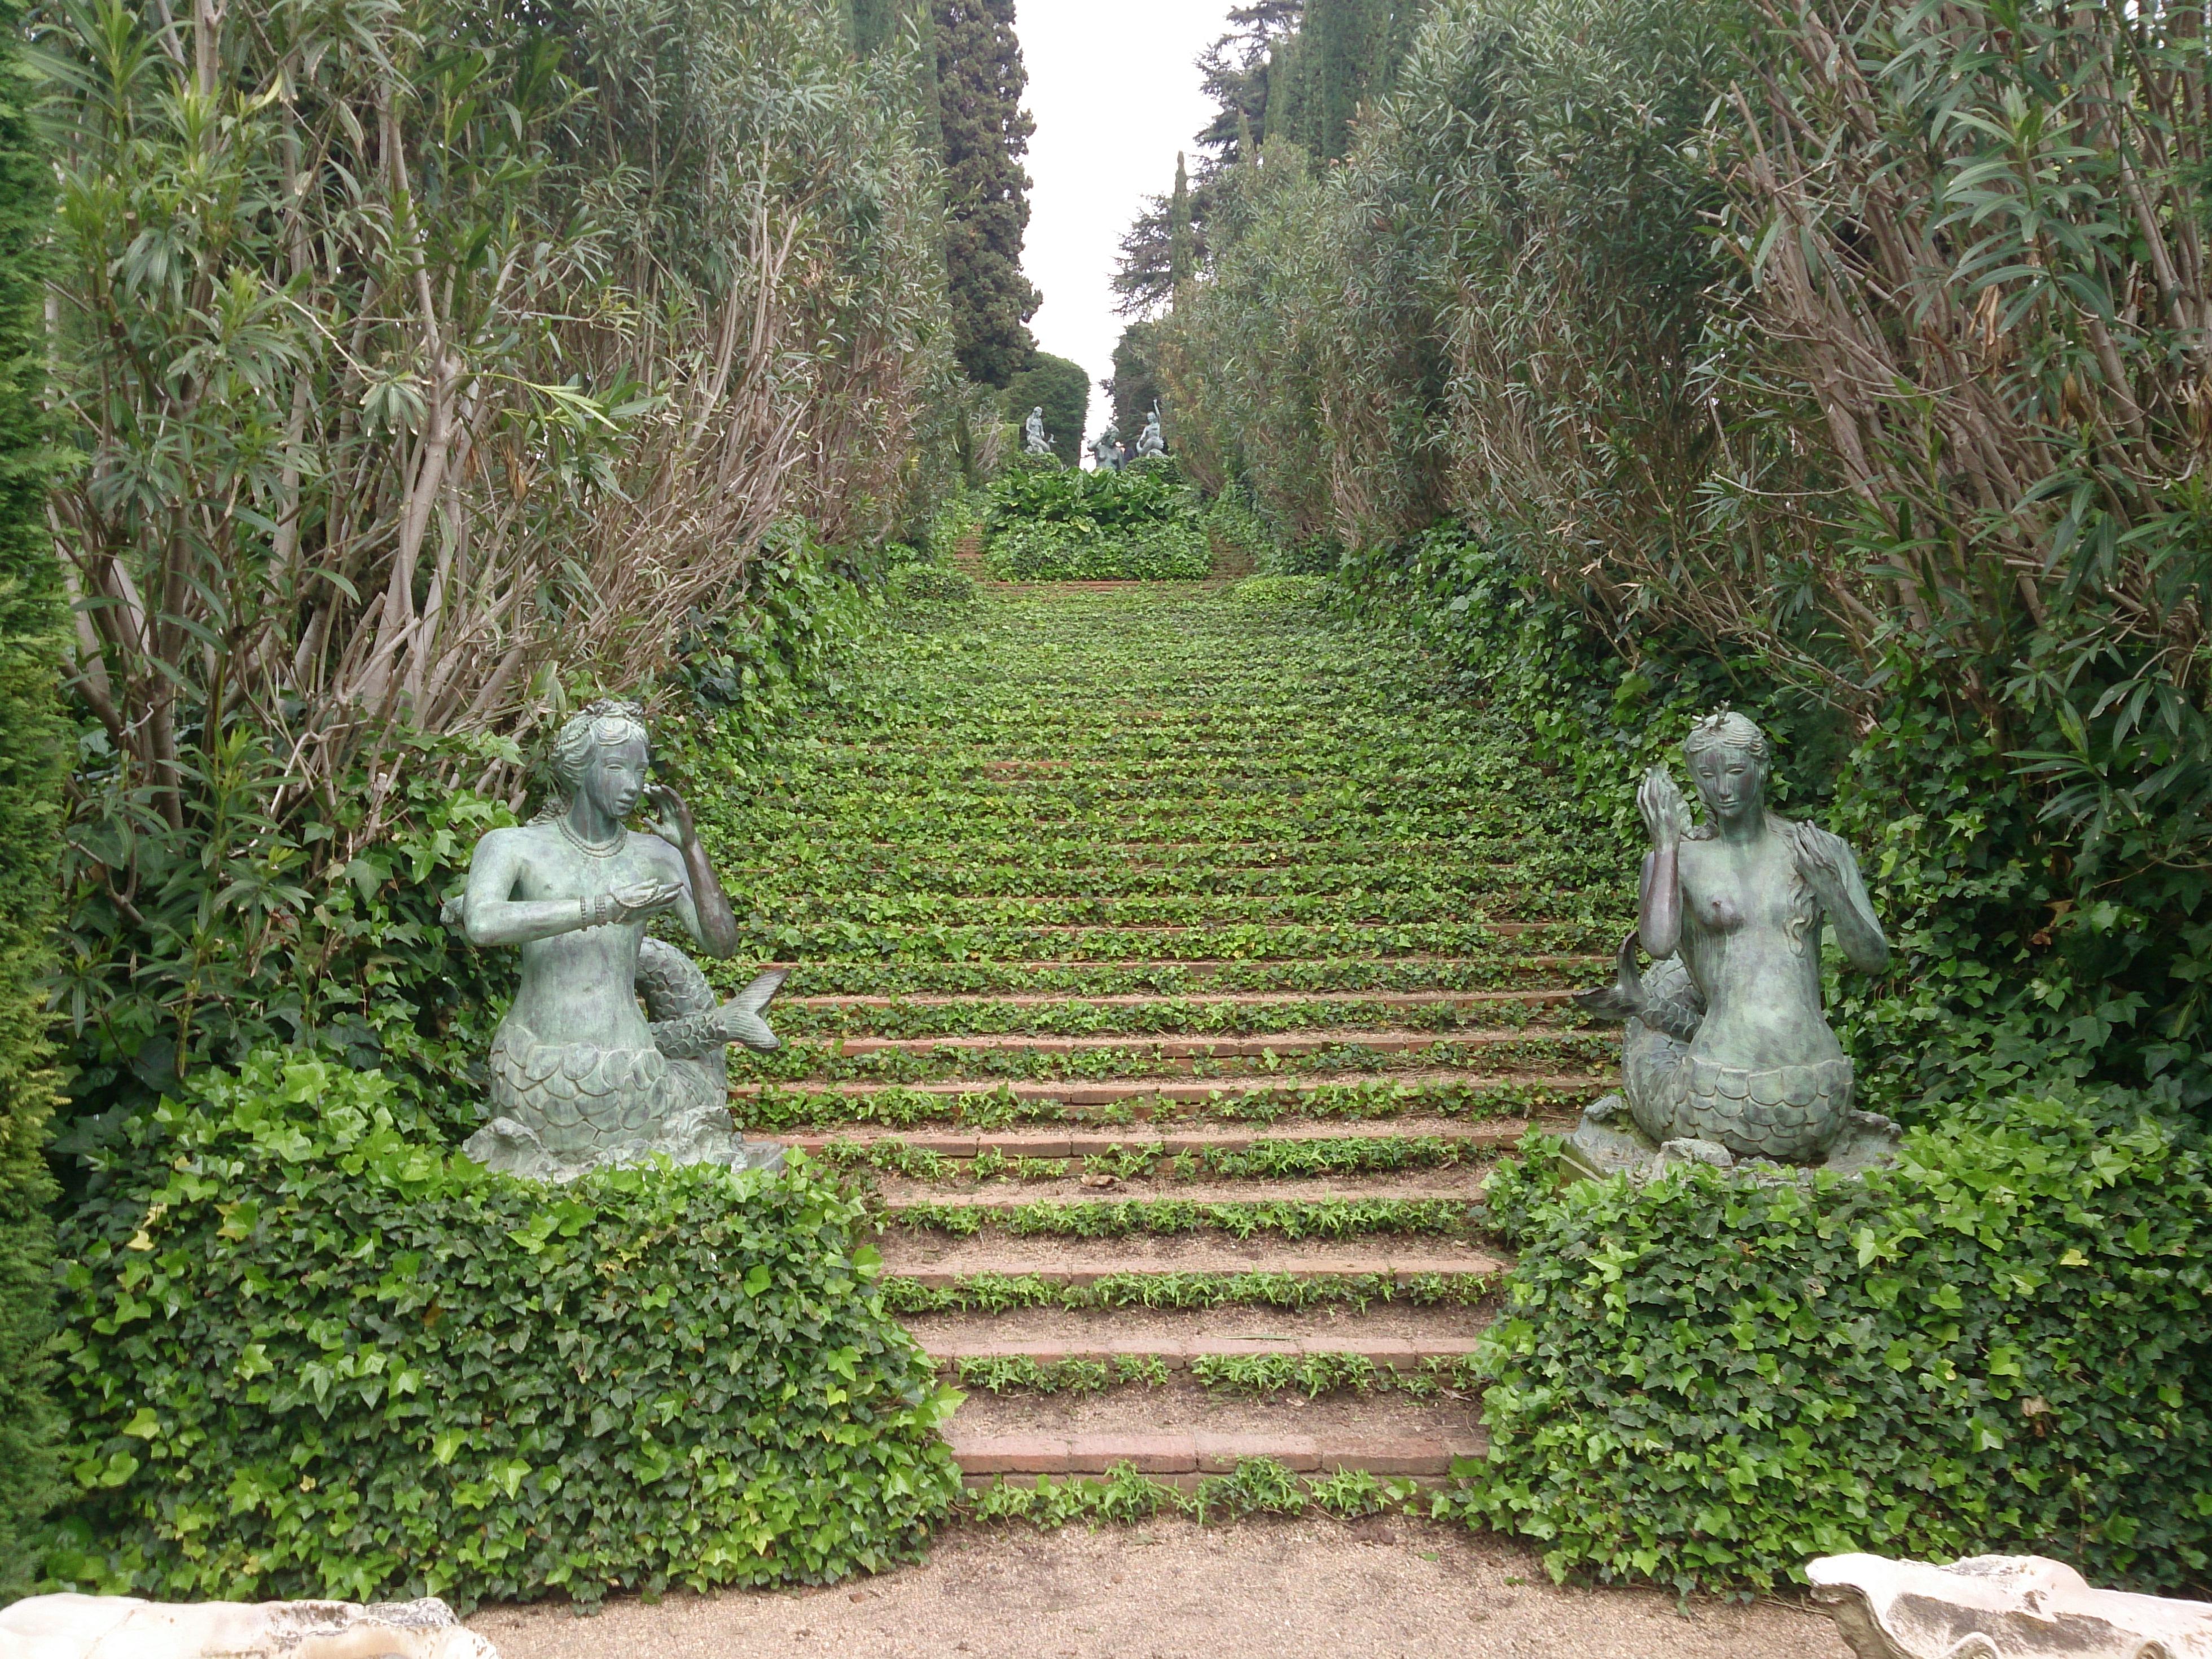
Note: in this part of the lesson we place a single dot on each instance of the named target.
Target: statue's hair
(610, 720)
(1725, 729)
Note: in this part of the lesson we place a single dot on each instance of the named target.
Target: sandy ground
(1383, 1588)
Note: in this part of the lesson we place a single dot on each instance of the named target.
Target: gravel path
(1383, 1588)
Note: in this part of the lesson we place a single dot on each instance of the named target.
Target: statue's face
(1731, 782)
(615, 777)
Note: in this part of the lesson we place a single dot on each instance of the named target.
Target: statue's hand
(674, 816)
(1666, 814)
(641, 898)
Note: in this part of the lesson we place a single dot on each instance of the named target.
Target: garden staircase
(1172, 968)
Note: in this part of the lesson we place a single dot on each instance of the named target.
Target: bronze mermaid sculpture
(1729, 1052)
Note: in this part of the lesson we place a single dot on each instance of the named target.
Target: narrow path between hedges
(1174, 966)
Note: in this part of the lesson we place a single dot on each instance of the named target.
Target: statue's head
(1728, 761)
(603, 755)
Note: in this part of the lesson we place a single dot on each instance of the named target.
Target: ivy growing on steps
(312, 1354)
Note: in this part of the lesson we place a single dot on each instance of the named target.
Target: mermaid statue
(1728, 1054)
(581, 1076)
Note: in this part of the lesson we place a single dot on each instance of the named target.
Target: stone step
(1234, 999)
(1134, 1091)
(1399, 1353)
(987, 1457)
(995, 1207)
(1501, 1132)
(942, 1268)
(1288, 1046)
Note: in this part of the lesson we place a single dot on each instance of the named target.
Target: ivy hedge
(35, 748)
(2001, 1345)
(1051, 525)
(311, 1354)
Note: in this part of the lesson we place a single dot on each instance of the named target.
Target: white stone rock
(119, 1627)
(1999, 1606)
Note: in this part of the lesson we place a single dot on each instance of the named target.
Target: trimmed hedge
(34, 749)
(311, 1354)
(2001, 1345)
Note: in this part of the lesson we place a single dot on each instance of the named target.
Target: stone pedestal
(1608, 1142)
(1999, 1607)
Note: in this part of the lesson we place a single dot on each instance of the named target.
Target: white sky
(1115, 94)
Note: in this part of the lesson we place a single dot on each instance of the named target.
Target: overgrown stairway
(1173, 966)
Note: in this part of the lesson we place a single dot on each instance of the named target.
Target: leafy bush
(1056, 552)
(1136, 499)
(309, 1353)
(1999, 1345)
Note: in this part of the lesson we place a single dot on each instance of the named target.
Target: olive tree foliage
(423, 354)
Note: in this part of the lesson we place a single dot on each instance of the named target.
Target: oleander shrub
(1999, 1345)
(310, 1353)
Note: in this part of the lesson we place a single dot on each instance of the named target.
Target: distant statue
(1107, 451)
(580, 1076)
(1035, 442)
(1149, 441)
(1729, 1052)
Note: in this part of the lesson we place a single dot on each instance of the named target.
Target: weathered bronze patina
(1729, 1052)
(581, 1074)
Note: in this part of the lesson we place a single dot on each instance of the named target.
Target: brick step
(1288, 1046)
(1075, 1095)
(1503, 1132)
(1235, 998)
(986, 1457)
(942, 1268)
(1316, 1189)
(1400, 1354)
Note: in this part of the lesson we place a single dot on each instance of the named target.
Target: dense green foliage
(427, 524)
(1062, 390)
(986, 134)
(34, 750)
(1862, 383)
(1065, 525)
(309, 1352)
(2000, 1345)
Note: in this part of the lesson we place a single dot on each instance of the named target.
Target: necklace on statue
(593, 848)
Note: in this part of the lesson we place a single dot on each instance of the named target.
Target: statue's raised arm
(1729, 1052)
(581, 1074)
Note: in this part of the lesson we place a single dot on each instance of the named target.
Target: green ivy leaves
(345, 1363)
(1991, 1348)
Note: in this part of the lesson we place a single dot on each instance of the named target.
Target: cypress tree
(980, 79)
(1351, 42)
(1182, 240)
(34, 750)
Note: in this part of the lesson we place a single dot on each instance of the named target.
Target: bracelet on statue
(583, 913)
